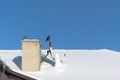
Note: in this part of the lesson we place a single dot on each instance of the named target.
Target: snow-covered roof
(74, 65)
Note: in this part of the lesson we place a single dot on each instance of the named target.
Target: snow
(30, 40)
(70, 64)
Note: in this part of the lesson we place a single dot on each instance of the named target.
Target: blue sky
(72, 24)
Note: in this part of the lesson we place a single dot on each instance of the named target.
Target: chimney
(31, 55)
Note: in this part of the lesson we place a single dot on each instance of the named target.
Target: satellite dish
(48, 38)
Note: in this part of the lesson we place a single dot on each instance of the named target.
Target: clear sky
(72, 24)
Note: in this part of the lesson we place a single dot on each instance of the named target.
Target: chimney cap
(30, 40)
